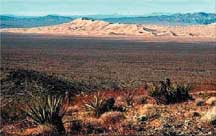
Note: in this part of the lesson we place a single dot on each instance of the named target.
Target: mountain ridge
(174, 19)
(27, 22)
(187, 19)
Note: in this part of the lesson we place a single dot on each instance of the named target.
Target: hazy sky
(104, 7)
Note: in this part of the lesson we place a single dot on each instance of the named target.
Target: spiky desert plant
(48, 110)
(96, 105)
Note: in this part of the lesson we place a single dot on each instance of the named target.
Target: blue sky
(104, 7)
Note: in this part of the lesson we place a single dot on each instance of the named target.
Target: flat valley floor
(129, 61)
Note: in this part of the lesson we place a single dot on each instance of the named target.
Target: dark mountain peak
(87, 18)
(52, 16)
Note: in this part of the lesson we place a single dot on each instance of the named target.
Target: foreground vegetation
(167, 92)
(162, 108)
(48, 110)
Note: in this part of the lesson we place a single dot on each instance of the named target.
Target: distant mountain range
(175, 19)
(8, 21)
(26, 22)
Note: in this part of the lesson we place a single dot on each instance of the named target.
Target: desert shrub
(48, 110)
(129, 97)
(166, 92)
(98, 105)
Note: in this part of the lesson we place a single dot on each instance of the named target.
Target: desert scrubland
(93, 77)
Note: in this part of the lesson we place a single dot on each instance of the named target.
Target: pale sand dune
(94, 28)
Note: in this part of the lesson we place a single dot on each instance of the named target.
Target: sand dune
(84, 27)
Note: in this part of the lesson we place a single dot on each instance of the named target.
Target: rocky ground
(140, 115)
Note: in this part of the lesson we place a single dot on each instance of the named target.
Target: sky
(104, 7)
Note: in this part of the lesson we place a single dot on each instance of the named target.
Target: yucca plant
(96, 105)
(48, 110)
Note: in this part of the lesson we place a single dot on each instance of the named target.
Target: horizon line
(151, 14)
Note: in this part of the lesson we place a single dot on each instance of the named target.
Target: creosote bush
(48, 110)
(167, 93)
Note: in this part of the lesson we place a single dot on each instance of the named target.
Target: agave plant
(96, 105)
(48, 110)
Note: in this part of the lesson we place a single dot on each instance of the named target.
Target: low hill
(94, 28)
(26, 82)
